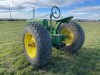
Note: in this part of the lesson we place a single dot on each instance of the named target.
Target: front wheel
(74, 36)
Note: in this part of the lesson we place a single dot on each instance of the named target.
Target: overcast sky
(82, 9)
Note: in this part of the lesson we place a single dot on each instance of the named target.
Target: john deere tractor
(40, 35)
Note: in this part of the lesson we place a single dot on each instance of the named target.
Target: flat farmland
(85, 61)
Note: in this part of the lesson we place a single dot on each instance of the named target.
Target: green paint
(57, 38)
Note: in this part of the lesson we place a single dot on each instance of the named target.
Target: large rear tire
(74, 36)
(37, 44)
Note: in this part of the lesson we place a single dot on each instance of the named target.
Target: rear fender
(65, 20)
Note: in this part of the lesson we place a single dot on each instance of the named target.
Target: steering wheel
(55, 11)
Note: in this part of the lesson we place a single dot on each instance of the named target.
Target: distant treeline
(86, 20)
(12, 19)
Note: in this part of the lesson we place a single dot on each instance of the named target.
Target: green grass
(86, 61)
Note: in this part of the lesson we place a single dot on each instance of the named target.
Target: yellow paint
(30, 45)
(70, 36)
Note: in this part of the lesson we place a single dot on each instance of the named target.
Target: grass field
(86, 61)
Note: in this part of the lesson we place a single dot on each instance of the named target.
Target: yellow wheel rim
(70, 36)
(30, 45)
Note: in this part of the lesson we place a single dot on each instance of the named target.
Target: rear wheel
(37, 44)
(74, 36)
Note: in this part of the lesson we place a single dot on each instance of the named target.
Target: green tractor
(40, 35)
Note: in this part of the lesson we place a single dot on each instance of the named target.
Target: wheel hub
(30, 45)
(69, 36)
